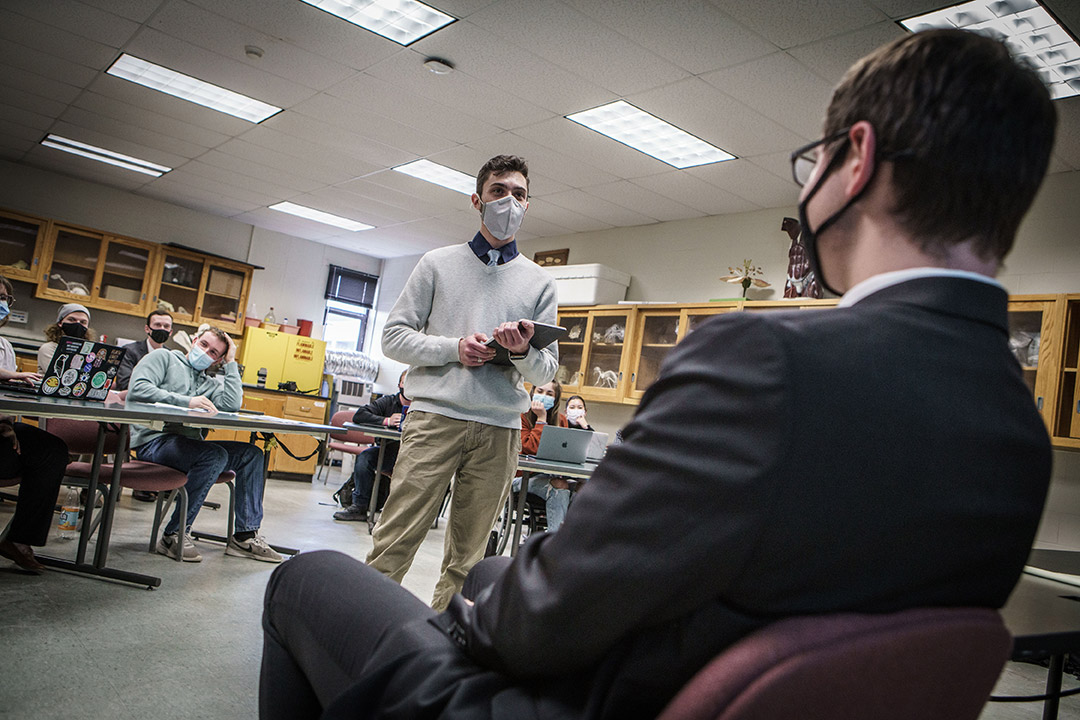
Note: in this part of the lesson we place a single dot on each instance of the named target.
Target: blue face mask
(4, 310)
(546, 400)
(198, 359)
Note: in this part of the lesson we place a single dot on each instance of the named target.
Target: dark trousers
(40, 463)
(364, 474)
(323, 617)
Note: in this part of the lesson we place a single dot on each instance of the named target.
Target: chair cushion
(134, 474)
(346, 447)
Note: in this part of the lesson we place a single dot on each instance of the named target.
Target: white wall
(293, 281)
(394, 274)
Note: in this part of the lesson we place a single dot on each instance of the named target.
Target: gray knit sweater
(449, 295)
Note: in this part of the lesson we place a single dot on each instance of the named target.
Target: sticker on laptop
(69, 377)
(50, 385)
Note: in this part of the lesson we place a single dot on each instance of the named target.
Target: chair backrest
(352, 436)
(931, 664)
(81, 435)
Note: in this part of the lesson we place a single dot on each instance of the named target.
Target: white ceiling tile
(31, 82)
(571, 138)
(898, 9)
(12, 148)
(543, 161)
(635, 197)
(695, 193)
(436, 197)
(1067, 139)
(80, 19)
(575, 222)
(144, 118)
(75, 166)
(375, 188)
(251, 169)
(750, 182)
(702, 110)
(694, 35)
(412, 110)
(372, 212)
(139, 141)
(458, 90)
(137, 10)
(194, 197)
(214, 33)
(535, 227)
(363, 141)
(330, 161)
(18, 131)
(26, 118)
(787, 23)
(461, 8)
(233, 191)
(578, 43)
(308, 28)
(23, 100)
(217, 69)
(792, 85)
(830, 59)
(40, 64)
(484, 55)
(21, 30)
(583, 203)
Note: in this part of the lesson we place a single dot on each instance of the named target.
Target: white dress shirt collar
(881, 281)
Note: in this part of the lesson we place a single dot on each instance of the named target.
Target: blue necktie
(493, 257)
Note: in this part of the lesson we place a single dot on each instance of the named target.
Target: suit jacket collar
(978, 300)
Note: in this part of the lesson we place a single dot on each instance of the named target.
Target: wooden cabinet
(593, 358)
(1034, 334)
(1064, 414)
(198, 288)
(95, 269)
(22, 238)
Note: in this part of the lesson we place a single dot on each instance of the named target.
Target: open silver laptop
(597, 446)
(563, 444)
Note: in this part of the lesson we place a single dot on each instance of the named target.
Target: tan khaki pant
(480, 459)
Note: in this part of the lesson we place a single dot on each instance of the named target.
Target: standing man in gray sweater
(465, 419)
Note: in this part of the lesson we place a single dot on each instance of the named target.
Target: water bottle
(68, 523)
(270, 319)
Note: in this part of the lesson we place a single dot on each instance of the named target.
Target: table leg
(101, 552)
(520, 514)
(1053, 687)
(373, 503)
(91, 497)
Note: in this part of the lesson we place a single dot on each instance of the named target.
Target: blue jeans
(556, 500)
(363, 474)
(203, 461)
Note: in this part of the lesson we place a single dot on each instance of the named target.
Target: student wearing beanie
(73, 320)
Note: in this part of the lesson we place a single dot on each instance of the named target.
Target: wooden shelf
(73, 263)
(175, 286)
(229, 297)
(132, 276)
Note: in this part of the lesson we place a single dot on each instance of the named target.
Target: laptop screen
(81, 369)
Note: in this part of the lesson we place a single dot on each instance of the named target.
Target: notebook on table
(81, 370)
(563, 444)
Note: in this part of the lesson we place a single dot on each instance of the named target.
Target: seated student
(385, 411)
(72, 320)
(33, 455)
(172, 377)
(575, 413)
(875, 457)
(158, 330)
(554, 489)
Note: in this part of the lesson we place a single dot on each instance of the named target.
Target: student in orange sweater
(555, 490)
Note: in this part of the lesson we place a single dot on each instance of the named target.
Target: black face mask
(75, 330)
(159, 336)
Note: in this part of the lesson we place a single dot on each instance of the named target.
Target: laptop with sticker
(563, 444)
(81, 370)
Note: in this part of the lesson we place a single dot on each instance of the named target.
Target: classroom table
(123, 415)
(381, 435)
(1044, 618)
(528, 465)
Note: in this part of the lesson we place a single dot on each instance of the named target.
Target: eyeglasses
(805, 158)
(8, 299)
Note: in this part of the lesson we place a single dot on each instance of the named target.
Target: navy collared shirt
(480, 246)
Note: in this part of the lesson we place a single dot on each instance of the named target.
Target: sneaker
(353, 513)
(169, 546)
(144, 495)
(256, 548)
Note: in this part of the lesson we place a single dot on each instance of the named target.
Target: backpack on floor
(343, 496)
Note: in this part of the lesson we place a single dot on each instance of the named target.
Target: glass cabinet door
(72, 271)
(1028, 338)
(572, 352)
(180, 277)
(602, 374)
(20, 246)
(658, 335)
(124, 275)
(223, 296)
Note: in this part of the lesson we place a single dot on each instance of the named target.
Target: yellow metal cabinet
(285, 357)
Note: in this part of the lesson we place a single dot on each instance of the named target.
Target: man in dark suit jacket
(879, 456)
(158, 330)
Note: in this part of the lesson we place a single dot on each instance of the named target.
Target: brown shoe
(21, 555)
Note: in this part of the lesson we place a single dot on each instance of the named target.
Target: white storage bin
(589, 284)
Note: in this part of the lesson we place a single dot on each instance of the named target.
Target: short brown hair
(157, 313)
(216, 332)
(500, 165)
(968, 128)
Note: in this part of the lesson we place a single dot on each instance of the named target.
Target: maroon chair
(352, 442)
(81, 438)
(930, 664)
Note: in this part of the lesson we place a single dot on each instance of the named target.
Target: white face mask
(575, 414)
(502, 217)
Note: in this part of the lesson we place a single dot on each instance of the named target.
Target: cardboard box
(122, 294)
(225, 283)
(589, 284)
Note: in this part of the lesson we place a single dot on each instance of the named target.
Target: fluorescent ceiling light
(440, 175)
(403, 21)
(649, 134)
(191, 89)
(320, 216)
(106, 156)
(1026, 27)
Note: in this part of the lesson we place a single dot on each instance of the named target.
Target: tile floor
(86, 649)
